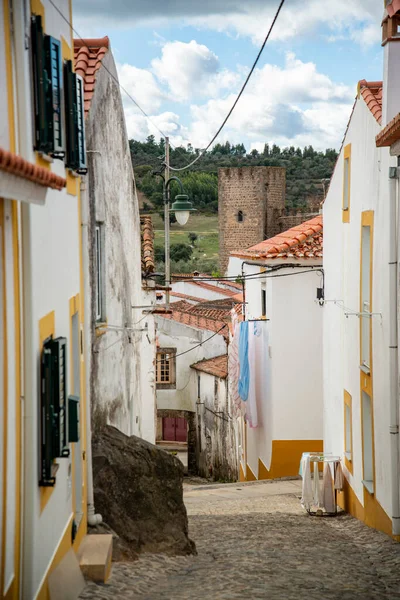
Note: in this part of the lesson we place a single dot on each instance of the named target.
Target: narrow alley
(255, 541)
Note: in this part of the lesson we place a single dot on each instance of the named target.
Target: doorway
(174, 429)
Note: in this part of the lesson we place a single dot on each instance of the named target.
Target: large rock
(138, 491)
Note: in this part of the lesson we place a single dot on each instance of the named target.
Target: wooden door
(174, 429)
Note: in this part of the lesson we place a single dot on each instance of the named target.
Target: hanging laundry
(258, 365)
(244, 377)
(234, 367)
(316, 487)
(328, 494)
(306, 490)
(339, 478)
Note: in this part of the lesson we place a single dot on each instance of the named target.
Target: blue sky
(185, 60)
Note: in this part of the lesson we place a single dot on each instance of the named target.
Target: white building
(281, 276)
(43, 430)
(121, 339)
(361, 396)
(193, 333)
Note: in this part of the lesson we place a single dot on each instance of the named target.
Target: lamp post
(182, 208)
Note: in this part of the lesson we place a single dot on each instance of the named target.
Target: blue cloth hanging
(244, 377)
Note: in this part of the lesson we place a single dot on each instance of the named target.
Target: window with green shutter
(47, 91)
(74, 120)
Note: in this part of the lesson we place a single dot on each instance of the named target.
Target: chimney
(391, 71)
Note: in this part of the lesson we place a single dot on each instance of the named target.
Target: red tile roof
(371, 91)
(199, 322)
(217, 366)
(303, 241)
(393, 7)
(88, 55)
(390, 133)
(147, 244)
(16, 165)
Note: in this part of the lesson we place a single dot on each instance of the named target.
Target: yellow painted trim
(46, 329)
(72, 182)
(348, 402)
(285, 457)
(42, 162)
(346, 156)
(9, 74)
(249, 474)
(242, 476)
(37, 8)
(101, 328)
(372, 513)
(17, 334)
(66, 51)
(367, 220)
(63, 547)
(5, 397)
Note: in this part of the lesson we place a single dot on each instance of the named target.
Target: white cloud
(190, 69)
(290, 105)
(355, 19)
(142, 85)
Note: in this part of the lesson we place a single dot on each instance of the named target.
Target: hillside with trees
(305, 170)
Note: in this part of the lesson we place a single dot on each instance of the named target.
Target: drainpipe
(394, 227)
(93, 518)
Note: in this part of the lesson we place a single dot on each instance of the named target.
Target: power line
(197, 345)
(239, 95)
(109, 72)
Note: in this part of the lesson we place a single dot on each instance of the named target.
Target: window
(74, 120)
(100, 287)
(346, 184)
(367, 441)
(263, 300)
(365, 294)
(47, 91)
(240, 216)
(348, 432)
(166, 368)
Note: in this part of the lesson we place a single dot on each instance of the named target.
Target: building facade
(281, 275)
(121, 340)
(361, 396)
(43, 408)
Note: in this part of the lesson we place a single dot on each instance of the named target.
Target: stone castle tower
(251, 201)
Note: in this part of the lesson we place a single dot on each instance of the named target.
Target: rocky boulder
(138, 490)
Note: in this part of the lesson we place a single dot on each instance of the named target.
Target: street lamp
(182, 208)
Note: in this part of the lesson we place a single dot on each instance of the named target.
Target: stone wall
(250, 202)
(295, 217)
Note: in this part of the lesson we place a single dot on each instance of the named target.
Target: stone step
(94, 555)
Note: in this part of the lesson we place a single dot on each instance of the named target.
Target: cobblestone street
(255, 541)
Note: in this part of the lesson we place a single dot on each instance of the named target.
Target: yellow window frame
(348, 404)
(346, 209)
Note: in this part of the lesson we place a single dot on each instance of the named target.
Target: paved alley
(255, 541)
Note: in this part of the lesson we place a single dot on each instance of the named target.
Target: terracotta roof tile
(371, 91)
(16, 165)
(197, 321)
(88, 55)
(217, 366)
(303, 241)
(390, 133)
(214, 288)
(147, 244)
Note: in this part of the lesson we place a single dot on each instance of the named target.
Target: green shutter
(75, 120)
(47, 90)
(43, 134)
(52, 48)
(81, 125)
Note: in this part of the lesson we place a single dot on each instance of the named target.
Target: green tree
(181, 252)
(193, 237)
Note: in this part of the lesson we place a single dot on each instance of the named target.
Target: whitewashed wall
(369, 191)
(122, 372)
(191, 289)
(175, 335)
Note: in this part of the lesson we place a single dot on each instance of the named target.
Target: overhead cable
(238, 96)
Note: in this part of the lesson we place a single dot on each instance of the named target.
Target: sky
(184, 62)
